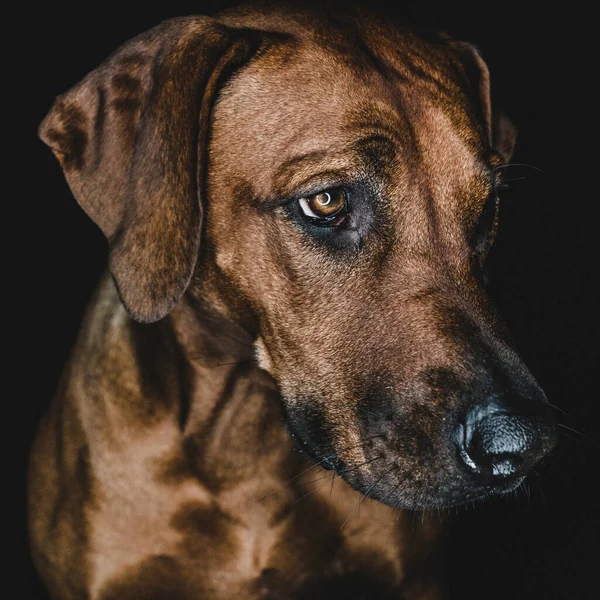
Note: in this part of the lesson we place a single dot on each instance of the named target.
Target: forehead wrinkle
(302, 163)
(387, 115)
(378, 142)
(353, 159)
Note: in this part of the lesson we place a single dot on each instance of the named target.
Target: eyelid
(314, 185)
(319, 184)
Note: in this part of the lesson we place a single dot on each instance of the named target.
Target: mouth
(490, 492)
(421, 500)
(419, 476)
(390, 482)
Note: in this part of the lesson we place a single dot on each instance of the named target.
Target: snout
(498, 447)
(448, 419)
(450, 445)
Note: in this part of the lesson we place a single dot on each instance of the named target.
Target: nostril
(499, 446)
(497, 457)
(507, 465)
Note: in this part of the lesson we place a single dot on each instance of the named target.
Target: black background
(544, 65)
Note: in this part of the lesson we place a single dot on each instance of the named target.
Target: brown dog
(317, 191)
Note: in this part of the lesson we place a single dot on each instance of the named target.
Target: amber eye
(325, 208)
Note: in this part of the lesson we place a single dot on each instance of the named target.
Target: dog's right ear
(131, 139)
(500, 130)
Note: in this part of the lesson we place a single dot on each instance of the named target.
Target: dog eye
(487, 226)
(327, 208)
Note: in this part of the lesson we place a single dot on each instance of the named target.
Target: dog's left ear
(500, 129)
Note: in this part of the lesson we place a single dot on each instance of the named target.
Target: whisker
(575, 439)
(340, 473)
(310, 467)
(316, 464)
(318, 488)
(585, 437)
(389, 497)
(518, 165)
(558, 409)
(304, 496)
(366, 494)
(511, 179)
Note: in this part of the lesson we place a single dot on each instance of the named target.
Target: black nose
(497, 446)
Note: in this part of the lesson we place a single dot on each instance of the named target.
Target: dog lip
(508, 486)
(488, 492)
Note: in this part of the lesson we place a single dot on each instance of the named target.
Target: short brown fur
(165, 467)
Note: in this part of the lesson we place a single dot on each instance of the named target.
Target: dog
(294, 350)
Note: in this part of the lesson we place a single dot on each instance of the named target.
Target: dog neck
(190, 367)
(219, 356)
(232, 408)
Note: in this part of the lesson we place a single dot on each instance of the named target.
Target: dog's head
(336, 178)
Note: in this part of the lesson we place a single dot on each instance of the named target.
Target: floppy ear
(131, 139)
(500, 130)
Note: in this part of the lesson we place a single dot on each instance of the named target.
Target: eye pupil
(323, 199)
(327, 204)
(327, 209)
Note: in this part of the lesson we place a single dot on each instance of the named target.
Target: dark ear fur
(500, 130)
(131, 139)
(504, 136)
